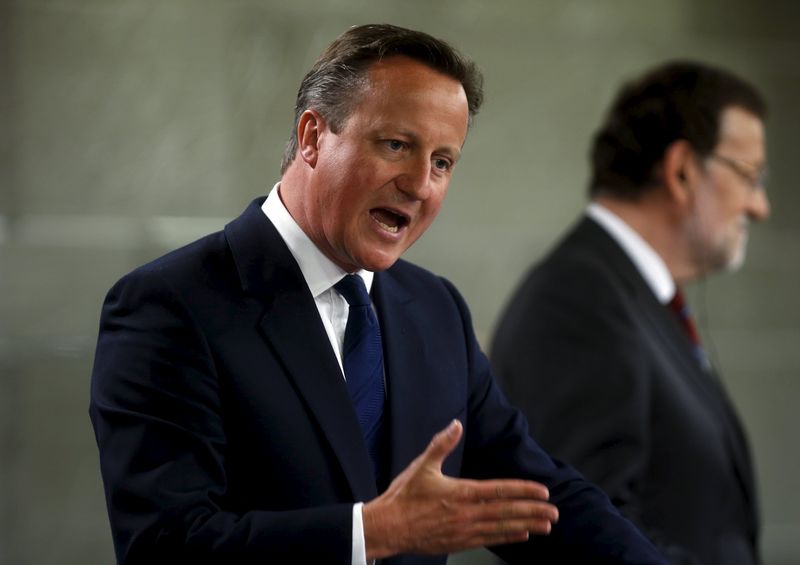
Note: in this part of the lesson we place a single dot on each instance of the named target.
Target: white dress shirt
(320, 274)
(649, 263)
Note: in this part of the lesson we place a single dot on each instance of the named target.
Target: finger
(512, 534)
(513, 510)
(499, 489)
(517, 527)
(442, 444)
(496, 533)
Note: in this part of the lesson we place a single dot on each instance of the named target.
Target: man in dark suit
(614, 380)
(249, 405)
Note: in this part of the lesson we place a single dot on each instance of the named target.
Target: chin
(735, 262)
(377, 263)
(736, 258)
(378, 266)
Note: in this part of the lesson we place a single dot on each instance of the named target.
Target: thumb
(442, 444)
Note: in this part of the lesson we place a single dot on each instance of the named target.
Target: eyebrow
(453, 152)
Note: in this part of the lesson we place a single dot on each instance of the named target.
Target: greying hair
(333, 85)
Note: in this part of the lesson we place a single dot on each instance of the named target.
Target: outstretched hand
(424, 511)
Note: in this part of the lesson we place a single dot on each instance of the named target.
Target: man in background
(597, 346)
(289, 390)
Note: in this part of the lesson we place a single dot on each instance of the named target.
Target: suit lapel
(294, 332)
(410, 387)
(293, 328)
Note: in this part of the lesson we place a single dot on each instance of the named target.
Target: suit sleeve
(571, 360)
(157, 412)
(590, 529)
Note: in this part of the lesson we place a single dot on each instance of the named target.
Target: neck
(657, 221)
(291, 192)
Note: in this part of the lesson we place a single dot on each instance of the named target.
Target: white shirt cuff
(359, 552)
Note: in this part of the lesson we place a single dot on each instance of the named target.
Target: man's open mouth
(389, 220)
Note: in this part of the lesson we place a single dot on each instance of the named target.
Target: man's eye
(442, 164)
(395, 145)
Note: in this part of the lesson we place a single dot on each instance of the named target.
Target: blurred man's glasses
(754, 176)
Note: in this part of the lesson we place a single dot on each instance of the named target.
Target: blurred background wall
(129, 127)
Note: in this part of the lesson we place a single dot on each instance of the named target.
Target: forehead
(743, 132)
(401, 88)
(401, 70)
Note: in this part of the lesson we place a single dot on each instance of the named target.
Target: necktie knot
(678, 302)
(354, 290)
(681, 309)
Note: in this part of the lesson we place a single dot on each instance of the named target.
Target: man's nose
(759, 205)
(415, 180)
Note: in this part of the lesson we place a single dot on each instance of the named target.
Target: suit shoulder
(417, 279)
(580, 284)
(434, 292)
(190, 257)
(188, 267)
(571, 270)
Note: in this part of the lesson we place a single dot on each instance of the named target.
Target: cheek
(431, 211)
(709, 214)
(724, 209)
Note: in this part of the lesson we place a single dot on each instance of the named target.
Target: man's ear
(309, 129)
(679, 170)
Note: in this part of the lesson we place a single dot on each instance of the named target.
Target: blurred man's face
(379, 183)
(730, 193)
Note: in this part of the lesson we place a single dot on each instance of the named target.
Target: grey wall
(129, 127)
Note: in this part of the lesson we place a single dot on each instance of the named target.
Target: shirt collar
(319, 272)
(647, 261)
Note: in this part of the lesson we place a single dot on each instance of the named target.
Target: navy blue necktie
(362, 359)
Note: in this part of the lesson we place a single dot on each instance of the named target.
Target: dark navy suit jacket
(227, 435)
(609, 382)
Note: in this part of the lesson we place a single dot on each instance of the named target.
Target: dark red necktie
(681, 309)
